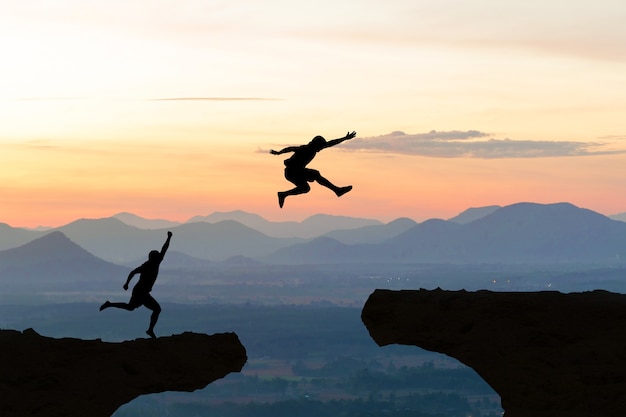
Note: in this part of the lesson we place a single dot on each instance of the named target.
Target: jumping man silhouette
(297, 172)
(141, 291)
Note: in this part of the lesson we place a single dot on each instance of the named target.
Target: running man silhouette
(141, 291)
(297, 172)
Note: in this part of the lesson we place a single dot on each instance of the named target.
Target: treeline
(361, 381)
(425, 377)
(371, 376)
(424, 390)
(416, 405)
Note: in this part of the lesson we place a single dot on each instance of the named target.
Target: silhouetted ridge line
(525, 232)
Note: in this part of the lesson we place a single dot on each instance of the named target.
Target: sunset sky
(168, 109)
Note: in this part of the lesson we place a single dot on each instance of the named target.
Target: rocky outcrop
(544, 353)
(42, 376)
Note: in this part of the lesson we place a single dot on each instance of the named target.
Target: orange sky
(169, 110)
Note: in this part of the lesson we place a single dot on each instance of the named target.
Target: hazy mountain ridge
(143, 223)
(175, 260)
(473, 213)
(372, 234)
(527, 232)
(523, 232)
(55, 262)
(12, 237)
(307, 253)
(520, 234)
(118, 242)
(115, 240)
(311, 227)
(561, 230)
(619, 217)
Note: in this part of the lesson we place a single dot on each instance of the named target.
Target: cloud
(472, 144)
(215, 99)
(49, 98)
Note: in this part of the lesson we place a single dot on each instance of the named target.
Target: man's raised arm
(334, 142)
(166, 244)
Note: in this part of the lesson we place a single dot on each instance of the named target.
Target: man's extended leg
(125, 306)
(338, 190)
(152, 304)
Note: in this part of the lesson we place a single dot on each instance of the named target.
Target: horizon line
(42, 227)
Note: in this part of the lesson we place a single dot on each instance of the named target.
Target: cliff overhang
(42, 376)
(545, 353)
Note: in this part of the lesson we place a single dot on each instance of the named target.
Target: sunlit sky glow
(168, 109)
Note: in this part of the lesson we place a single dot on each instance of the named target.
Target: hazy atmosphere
(469, 146)
(168, 109)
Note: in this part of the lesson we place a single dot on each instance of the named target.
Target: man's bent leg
(299, 189)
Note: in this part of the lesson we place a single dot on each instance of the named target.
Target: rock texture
(42, 376)
(544, 353)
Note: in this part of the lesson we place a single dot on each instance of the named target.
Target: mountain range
(55, 263)
(519, 233)
(125, 237)
(523, 232)
(313, 226)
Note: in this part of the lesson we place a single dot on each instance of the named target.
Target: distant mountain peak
(143, 223)
(48, 245)
(101, 221)
(473, 213)
(548, 209)
(53, 261)
(236, 215)
(522, 232)
(54, 238)
(325, 217)
(247, 213)
(532, 205)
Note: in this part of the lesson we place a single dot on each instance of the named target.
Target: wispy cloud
(48, 98)
(472, 144)
(215, 99)
(613, 137)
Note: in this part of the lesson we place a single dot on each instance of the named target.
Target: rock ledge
(42, 376)
(544, 353)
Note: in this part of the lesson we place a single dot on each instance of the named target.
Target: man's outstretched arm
(334, 142)
(285, 150)
(166, 244)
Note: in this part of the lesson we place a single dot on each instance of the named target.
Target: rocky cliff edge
(544, 353)
(42, 376)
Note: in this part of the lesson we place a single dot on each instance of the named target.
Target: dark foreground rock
(42, 376)
(544, 353)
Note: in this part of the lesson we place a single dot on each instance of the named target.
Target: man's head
(154, 255)
(318, 142)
